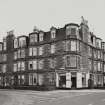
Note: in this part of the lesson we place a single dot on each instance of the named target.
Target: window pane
(73, 45)
(22, 53)
(30, 51)
(68, 61)
(68, 30)
(73, 31)
(72, 61)
(30, 65)
(35, 64)
(53, 48)
(34, 51)
(41, 37)
(67, 45)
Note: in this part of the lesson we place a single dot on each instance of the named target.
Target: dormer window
(22, 41)
(4, 44)
(71, 30)
(15, 43)
(1, 47)
(53, 32)
(41, 35)
(33, 38)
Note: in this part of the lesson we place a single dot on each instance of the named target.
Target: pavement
(56, 97)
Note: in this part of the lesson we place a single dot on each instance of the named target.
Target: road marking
(90, 104)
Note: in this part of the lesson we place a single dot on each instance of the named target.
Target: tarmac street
(56, 97)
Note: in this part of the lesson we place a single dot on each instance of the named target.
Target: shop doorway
(62, 81)
(73, 80)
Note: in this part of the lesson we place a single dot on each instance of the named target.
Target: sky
(22, 15)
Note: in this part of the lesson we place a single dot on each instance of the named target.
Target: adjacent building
(68, 57)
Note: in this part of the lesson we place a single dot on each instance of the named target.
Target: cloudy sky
(23, 15)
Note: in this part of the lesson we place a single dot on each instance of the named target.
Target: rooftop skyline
(21, 15)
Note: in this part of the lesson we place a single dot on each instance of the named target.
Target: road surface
(57, 97)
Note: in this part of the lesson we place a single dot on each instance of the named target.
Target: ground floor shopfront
(69, 79)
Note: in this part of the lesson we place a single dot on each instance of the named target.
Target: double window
(72, 45)
(21, 53)
(33, 79)
(21, 66)
(32, 51)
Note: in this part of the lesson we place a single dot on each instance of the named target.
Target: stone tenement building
(68, 57)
